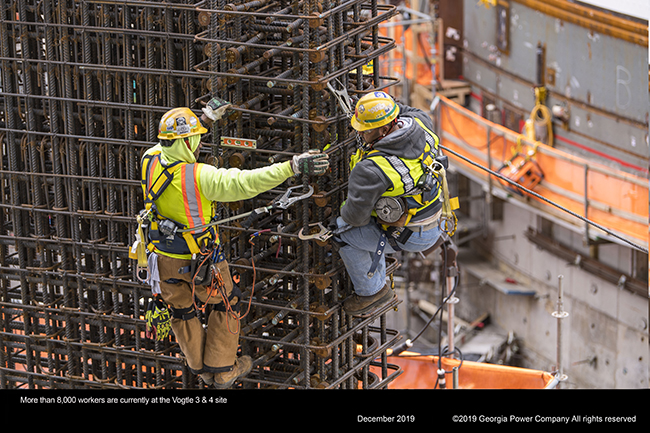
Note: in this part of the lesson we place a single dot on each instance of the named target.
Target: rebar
(83, 86)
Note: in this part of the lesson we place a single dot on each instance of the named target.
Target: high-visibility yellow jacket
(188, 198)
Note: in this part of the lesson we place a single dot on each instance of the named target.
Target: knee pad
(184, 313)
(235, 292)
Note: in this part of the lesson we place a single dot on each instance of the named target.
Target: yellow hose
(541, 115)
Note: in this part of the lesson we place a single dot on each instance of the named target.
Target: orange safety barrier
(412, 59)
(421, 372)
(613, 199)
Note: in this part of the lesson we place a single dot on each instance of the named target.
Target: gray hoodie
(368, 182)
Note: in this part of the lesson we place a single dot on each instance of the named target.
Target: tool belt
(202, 266)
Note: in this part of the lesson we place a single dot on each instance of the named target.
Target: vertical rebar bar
(83, 86)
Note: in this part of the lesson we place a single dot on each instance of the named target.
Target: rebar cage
(84, 84)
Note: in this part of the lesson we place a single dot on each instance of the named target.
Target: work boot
(357, 305)
(242, 367)
(208, 378)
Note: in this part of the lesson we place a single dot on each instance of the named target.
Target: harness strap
(184, 313)
(392, 236)
(236, 291)
(155, 189)
(379, 251)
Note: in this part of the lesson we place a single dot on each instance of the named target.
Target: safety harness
(170, 236)
(165, 233)
(414, 197)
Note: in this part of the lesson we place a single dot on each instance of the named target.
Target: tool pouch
(201, 269)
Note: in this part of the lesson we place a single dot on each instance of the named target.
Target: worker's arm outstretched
(226, 185)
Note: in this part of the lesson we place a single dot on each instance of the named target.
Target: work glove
(215, 109)
(158, 320)
(313, 162)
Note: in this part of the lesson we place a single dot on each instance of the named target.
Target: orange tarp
(616, 200)
(420, 372)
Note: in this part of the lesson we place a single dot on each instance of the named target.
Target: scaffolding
(83, 86)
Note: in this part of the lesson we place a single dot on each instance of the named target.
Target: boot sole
(367, 311)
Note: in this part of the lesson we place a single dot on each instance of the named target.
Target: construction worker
(190, 264)
(394, 196)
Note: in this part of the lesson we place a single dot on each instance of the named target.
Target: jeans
(360, 247)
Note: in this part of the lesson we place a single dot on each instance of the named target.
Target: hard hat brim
(358, 126)
(174, 136)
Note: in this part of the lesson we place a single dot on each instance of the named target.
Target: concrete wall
(604, 340)
(602, 80)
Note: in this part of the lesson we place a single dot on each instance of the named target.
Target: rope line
(562, 208)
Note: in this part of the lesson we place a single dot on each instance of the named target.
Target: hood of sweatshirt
(406, 142)
(179, 151)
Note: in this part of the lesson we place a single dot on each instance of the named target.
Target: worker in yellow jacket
(179, 191)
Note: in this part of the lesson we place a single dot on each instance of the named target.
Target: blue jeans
(359, 250)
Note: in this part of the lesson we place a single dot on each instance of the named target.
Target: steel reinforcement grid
(83, 86)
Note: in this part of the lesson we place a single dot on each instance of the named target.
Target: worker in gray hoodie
(394, 196)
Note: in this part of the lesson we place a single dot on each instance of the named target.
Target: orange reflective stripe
(152, 167)
(188, 212)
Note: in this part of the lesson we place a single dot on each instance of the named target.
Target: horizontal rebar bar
(82, 88)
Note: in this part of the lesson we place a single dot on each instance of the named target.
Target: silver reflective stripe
(404, 172)
(191, 200)
(429, 137)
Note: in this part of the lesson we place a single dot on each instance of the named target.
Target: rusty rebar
(83, 86)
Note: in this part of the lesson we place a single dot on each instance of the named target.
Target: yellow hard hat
(373, 110)
(179, 123)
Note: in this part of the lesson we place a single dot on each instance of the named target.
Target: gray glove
(313, 162)
(215, 109)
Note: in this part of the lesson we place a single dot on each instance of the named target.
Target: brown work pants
(207, 350)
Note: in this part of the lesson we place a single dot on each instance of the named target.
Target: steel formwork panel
(84, 84)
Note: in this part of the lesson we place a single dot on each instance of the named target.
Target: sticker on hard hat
(181, 126)
(182, 129)
(380, 107)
